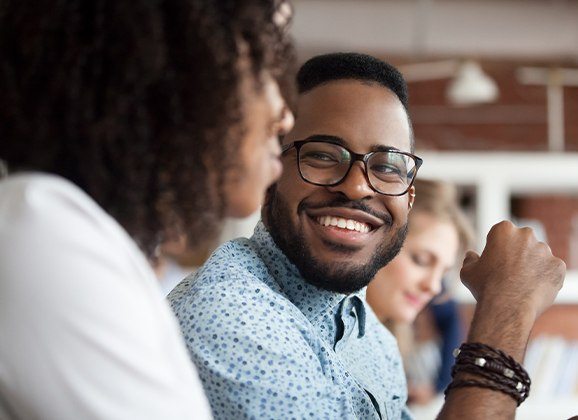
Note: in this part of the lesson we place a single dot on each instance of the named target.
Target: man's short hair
(326, 68)
(342, 66)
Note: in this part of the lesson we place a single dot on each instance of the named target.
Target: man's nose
(355, 185)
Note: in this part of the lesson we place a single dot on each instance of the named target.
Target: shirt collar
(311, 300)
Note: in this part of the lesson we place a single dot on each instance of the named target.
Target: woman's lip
(414, 300)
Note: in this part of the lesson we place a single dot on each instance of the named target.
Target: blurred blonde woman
(438, 233)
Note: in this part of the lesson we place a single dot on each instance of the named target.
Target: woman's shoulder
(48, 218)
(30, 197)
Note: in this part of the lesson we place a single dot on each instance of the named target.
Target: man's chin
(330, 265)
(336, 275)
(336, 250)
(344, 268)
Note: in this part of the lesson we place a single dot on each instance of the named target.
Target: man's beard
(341, 277)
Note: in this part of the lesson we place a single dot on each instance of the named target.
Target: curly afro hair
(136, 101)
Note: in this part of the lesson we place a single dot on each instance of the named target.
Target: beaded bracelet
(496, 370)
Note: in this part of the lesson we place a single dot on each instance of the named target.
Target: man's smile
(344, 226)
(342, 223)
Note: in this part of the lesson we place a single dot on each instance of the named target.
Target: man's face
(363, 117)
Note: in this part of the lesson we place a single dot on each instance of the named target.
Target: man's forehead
(365, 115)
(347, 88)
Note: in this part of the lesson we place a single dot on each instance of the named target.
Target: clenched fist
(515, 271)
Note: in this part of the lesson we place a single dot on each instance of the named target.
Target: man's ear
(411, 194)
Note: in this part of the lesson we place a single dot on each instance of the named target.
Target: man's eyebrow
(342, 142)
(383, 148)
(328, 137)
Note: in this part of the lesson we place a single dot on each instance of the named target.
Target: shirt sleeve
(84, 331)
(253, 356)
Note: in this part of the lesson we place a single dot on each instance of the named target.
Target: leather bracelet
(496, 370)
(485, 384)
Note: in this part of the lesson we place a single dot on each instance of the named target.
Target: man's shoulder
(236, 258)
(234, 275)
(234, 265)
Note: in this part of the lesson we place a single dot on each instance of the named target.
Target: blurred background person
(124, 125)
(438, 234)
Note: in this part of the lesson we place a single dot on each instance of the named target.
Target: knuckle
(561, 265)
(503, 225)
(499, 229)
(545, 248)
(527, 233)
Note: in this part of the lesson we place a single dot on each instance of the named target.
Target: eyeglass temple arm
(287, 147)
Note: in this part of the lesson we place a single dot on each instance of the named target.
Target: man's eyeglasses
(325, 163)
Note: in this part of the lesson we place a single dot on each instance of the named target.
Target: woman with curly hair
(123, 124)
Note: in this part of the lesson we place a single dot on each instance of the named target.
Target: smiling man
(340, 212)
(278, 325)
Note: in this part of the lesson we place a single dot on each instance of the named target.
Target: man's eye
(386, 169)
(320, 156)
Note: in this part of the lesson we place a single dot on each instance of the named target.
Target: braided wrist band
(495, 369)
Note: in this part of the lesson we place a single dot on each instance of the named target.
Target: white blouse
(85, 332)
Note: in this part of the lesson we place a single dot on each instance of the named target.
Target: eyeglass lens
(324, 163)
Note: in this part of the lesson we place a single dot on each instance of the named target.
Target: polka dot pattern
(269, 345)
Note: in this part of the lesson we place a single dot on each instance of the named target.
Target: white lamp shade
(471, 86)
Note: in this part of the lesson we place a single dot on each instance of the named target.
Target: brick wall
(517, 121)
(559, 216)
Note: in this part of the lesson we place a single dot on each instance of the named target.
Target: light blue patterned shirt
(269, 345)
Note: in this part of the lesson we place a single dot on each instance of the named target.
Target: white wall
(481, 28)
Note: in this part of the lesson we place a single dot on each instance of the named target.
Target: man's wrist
(506, 327)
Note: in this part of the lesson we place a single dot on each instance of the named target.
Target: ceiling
(512, 29)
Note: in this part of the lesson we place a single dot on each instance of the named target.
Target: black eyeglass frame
(355, 157)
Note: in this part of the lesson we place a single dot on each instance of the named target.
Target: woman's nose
(287, 122)
(432, 283)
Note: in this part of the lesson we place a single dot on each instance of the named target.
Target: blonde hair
(440, 200)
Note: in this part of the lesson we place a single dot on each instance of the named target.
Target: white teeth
(348, 224)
